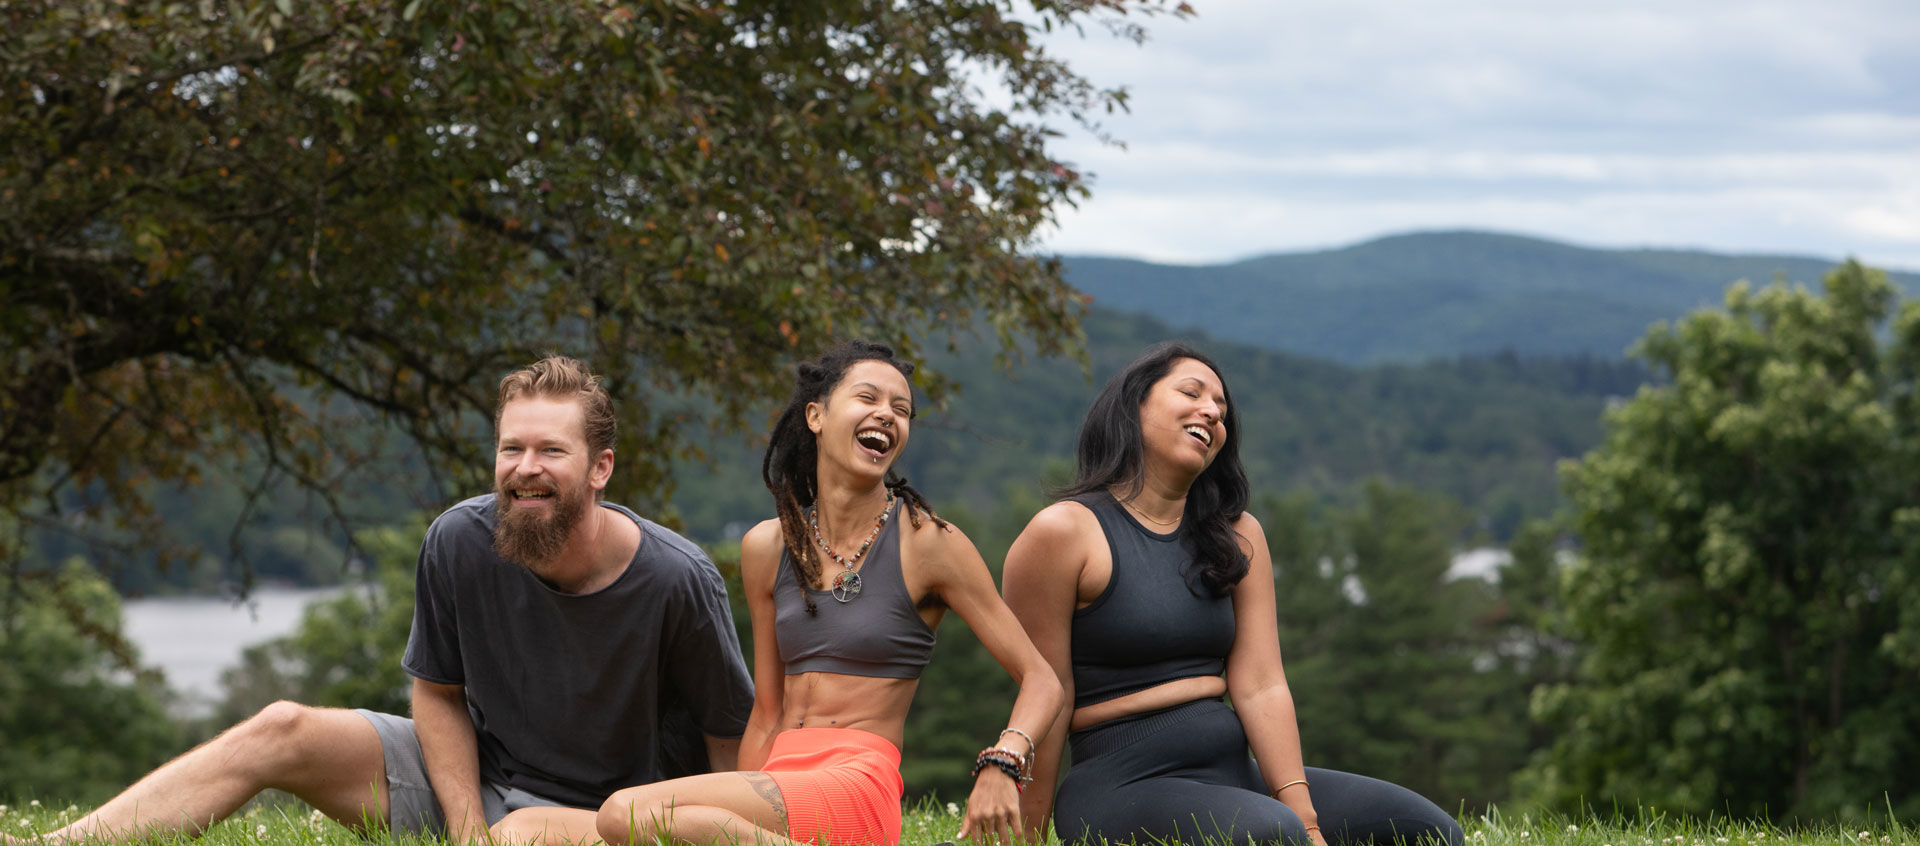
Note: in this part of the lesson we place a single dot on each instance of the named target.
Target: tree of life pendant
(846, 585)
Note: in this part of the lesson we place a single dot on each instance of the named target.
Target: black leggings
(1183, 774)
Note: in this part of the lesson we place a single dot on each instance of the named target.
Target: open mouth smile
(1202, 434)
(877, 442)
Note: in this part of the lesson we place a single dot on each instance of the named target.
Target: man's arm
(701, 662)
(723, 753)
(452, 754)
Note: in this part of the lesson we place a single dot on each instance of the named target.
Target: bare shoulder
(1252, 538)
(760, 549)
(938, 538)
(1050, 563)
(1248, 525)
(764, 536)
(1065, 521)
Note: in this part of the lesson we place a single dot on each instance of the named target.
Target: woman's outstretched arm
(1257, 683)
(961, 577)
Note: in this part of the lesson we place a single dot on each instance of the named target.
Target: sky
(1735, 126)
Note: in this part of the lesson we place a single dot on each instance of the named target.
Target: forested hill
(1415, 297)
(1486, 431)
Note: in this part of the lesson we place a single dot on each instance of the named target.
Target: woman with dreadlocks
(846, 587)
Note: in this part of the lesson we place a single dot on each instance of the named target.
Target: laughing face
(862, 424)
(544, 479)
(1182, 418)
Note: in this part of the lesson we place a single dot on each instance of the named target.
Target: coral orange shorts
(842, 786)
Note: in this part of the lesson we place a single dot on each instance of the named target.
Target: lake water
(192, 639)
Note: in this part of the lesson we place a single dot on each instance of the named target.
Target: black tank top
(878, 633)
(1149, 626)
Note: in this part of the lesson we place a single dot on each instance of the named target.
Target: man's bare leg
(329, 758)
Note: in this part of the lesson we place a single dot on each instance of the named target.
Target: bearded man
(562, 648)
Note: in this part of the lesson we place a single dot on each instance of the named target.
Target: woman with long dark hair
(846, 587)
(1149, 589)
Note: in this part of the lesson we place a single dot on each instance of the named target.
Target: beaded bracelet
(1023, 766)
(994, 754)
(1011, 768)
(1023, 760)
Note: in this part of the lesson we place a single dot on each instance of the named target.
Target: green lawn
(290, 824)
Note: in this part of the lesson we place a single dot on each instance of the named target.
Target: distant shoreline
(192, 639)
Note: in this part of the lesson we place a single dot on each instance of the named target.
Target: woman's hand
(993, 811)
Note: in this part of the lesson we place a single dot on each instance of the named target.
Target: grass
(290, 823)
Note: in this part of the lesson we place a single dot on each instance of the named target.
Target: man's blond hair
(561, 378)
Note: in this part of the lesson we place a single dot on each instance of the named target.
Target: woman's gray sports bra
(878, 633)
(1149, 626)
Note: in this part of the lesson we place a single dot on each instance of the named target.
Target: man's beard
(531, 538)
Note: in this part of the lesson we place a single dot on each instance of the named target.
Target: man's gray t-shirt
(568, 692)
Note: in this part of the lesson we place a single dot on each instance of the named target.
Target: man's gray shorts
(411, 805)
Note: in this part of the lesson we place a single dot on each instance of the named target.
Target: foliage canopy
(74, 722)
(1747, 598)
(232, 229)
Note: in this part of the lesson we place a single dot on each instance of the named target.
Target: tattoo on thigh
(763, 785)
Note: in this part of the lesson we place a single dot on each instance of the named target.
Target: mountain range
(1419, 296)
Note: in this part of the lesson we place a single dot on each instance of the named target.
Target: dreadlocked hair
(789, 468)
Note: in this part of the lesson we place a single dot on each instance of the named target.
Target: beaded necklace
(846, 583)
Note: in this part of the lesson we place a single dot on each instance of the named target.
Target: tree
(78, 719)
(1746, 593)
(233, 231)
(1391, 663)
(346, 651)
(1533, 652)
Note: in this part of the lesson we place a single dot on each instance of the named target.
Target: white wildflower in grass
(34, 804)
(1571, 828)
(1719, 840)
(1865, 836)
(1524, 834)
(953, 810)
(260, 832)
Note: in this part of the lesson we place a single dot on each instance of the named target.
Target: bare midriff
(1166, 695)
(837, 700)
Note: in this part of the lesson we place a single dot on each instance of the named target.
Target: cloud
(1731, 125)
